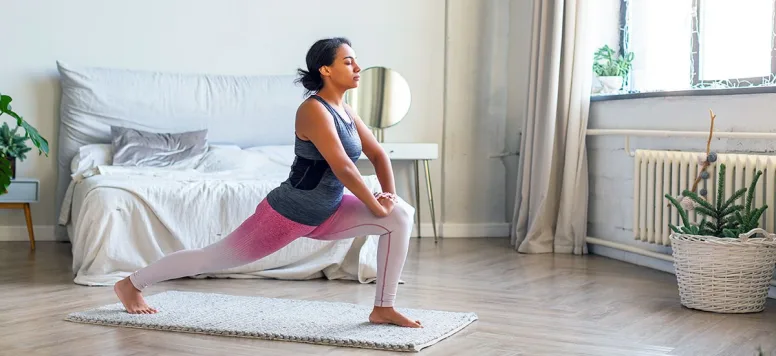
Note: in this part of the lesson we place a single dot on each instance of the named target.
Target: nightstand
(416, 152)
(21, 193)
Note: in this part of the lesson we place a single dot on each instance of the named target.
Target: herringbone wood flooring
(527, 304)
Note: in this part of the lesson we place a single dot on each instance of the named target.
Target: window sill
(689, 92)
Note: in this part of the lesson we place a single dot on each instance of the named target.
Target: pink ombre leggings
(266, 231)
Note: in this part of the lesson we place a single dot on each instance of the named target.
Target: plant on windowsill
(13, 146)
(611, 69)
(719, 266)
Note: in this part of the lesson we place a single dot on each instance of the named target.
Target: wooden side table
(21, 193)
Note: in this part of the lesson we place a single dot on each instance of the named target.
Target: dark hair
(322, 53)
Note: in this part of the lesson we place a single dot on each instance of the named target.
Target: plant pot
(724, 275)
(610, 85)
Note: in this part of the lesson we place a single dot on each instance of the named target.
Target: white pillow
(90, 156)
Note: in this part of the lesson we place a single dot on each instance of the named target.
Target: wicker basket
(724, 275)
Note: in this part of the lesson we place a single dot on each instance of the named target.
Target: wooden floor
(527, 305)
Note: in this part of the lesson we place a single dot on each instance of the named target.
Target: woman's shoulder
(312, 114)
(310, 107)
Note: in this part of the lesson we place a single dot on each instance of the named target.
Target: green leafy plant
(608, 64)
(30, 133)
(12, 144)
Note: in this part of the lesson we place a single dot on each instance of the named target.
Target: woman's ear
(324, 70)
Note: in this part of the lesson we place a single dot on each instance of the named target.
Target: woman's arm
(313, 122)
(375, 153)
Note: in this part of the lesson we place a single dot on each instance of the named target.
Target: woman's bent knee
(402, 216)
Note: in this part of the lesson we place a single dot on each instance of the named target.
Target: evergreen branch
(750, 196)
(738, 194)
(754, 219)
(696, 198)
(732, 209)
(720, 184)
(706, 211)
(682, 213)
(729, 233)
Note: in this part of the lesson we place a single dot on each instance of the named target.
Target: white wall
(485, 60)
(229, 37)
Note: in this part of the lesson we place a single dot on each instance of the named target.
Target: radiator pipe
(668, 133)
(634, 249)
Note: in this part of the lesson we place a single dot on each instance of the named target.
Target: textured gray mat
(325, 323)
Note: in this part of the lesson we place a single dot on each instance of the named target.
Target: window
(686, 44)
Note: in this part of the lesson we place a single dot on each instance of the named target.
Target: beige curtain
(550, 213)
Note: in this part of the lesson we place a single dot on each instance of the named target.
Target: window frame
(696, 82)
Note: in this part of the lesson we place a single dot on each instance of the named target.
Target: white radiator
(657, 173)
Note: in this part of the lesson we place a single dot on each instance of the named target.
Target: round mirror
(382, 97)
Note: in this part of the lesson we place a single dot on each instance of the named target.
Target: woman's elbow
(345, 170)
(377, 156)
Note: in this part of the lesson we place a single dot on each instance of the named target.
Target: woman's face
(343, 72)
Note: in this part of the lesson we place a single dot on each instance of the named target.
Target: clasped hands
(387, 201)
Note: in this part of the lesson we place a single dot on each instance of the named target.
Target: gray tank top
(312, 193)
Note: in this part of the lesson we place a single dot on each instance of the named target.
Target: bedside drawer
(21, 191)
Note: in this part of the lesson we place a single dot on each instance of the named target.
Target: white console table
(416, 152)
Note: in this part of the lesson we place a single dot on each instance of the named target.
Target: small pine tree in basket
(726, 217)
(719, 268)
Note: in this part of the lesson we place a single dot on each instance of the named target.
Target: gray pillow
(138, 148)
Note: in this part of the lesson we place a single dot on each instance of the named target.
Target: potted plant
(611, 69)
(719, 265)
(13, 146)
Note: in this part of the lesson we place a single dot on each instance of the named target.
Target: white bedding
(122, 218)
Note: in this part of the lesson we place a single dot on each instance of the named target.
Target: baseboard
(19, 233)
(642, 257)
(463, 231)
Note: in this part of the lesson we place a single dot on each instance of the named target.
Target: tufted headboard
(241, 110)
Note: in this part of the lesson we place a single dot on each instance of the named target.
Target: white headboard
(241, 110)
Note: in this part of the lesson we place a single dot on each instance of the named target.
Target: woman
(310, 203)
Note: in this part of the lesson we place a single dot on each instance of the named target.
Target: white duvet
(121, 219)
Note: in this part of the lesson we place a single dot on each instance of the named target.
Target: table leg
(417, 195)
(30, 232)
(431, 200)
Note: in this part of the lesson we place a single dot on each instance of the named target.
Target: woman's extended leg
(261, 234)
(352, 219)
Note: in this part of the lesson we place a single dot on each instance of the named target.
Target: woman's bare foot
(131, 298)
(389, 315)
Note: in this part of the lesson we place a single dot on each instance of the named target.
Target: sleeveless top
(312, 193)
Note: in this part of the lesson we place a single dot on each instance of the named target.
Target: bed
(121, 217)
